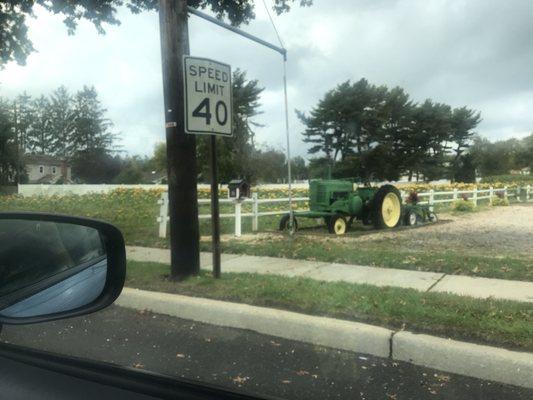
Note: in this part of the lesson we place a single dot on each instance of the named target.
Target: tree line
(357, 130)
(373, 132)
(74, 128)
(501, 157)
(71, 127)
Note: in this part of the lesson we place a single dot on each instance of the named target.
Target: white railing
(433, 198)
(163, 218)
(27, 190)
(473, 195)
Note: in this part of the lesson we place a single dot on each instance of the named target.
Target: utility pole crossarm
(234, 29)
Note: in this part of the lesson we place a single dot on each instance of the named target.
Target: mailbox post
(238, 191)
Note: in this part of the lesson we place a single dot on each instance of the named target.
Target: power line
(273, 24)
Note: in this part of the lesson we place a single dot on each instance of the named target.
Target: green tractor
(338, 204)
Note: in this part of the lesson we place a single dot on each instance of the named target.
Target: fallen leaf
(286, 381)
(240, 379)
(302, 373)
(138, 365)
(275, 343)
(442, 377)
(179, 355)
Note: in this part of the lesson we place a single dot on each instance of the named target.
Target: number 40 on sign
(208, 97)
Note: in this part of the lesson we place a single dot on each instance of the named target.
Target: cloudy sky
(477, 53)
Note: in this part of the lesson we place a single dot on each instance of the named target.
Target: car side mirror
(54, 266)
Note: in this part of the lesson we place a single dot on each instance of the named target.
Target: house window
(53, 170)
(41, 169)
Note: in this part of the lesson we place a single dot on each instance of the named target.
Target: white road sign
(208, 97)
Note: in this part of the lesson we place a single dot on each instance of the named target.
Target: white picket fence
(163, 218)
(432, 196)
(27, 190)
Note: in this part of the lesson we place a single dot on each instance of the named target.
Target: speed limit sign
(208, 97)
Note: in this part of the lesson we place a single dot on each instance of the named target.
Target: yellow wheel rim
(391, 209)
(340, 226)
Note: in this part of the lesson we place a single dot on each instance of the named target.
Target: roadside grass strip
(502, 323)
(382, 254)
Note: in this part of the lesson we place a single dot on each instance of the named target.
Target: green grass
(502, 323)
(382, 254)
(134, 212)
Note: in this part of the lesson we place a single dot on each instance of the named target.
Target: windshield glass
(319, 199)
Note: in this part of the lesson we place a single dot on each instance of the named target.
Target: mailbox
(238, 189)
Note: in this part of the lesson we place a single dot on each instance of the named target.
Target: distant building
(523, 171)
(47, 169)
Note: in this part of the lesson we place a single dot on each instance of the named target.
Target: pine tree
(40, 139)
(61, 122)
(90, 128)
(9, 157)
(22, 117)
(92, 141)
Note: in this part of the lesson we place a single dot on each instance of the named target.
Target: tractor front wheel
(338, 225)
(411, 219)
(284, 224)
(387, 207)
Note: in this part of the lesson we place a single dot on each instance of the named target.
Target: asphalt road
(248, 361)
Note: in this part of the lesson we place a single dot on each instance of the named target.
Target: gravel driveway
(495, 231)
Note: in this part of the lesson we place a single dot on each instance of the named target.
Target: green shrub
(463, 206)
(508, 179)
(500, 201)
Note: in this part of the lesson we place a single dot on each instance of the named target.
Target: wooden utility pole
(181, 147)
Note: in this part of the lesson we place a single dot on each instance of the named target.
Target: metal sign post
(208, 110)
(215, 213)
(283, 52)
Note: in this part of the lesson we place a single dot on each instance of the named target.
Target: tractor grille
(321, 195)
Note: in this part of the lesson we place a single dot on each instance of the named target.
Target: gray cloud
(464, 52)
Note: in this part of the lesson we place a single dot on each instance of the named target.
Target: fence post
(255, 212)
(237, 218)
(163, 215)
(528, 190)
(474, 196)
(431, 199)
(455, 194)
(491, 194)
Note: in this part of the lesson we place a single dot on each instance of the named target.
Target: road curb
(329, 332)
(479, 361)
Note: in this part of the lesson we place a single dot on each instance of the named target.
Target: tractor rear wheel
(338, 225)
(284, 224)
(387, 207)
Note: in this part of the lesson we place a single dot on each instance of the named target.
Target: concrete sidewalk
(331, 272)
